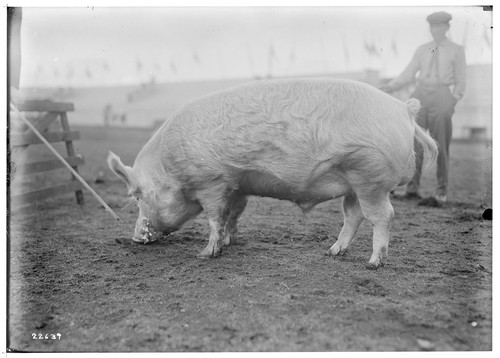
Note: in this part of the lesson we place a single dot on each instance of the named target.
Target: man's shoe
(431, 202)
(441, 198)
(410, 196)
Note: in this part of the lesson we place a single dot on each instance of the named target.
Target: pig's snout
(146, 233)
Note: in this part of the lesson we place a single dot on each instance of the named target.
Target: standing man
(440, 65)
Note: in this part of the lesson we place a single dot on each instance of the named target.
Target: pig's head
(163, 206)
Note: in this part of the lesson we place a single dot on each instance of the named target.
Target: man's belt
(430, 84)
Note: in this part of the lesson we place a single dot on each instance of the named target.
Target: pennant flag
(272, 54)
(271, 51)
(394, 46)
(292, 55)
(173, 67)
(250, 59)
(70, 73)
(368, 47)
(375, 49)
(486, 37)
(346, 50)
(88, 73)
(196, 58)
(371, 48)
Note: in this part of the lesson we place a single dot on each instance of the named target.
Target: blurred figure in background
(14, 19)
(440, 64)
(107, 114)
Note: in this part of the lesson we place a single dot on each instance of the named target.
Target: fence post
(71, 153)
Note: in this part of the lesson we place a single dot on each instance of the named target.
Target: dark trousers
(438, 106)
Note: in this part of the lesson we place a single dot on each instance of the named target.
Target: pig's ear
(123, 171)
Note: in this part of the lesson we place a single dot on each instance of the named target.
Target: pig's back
(285, 128)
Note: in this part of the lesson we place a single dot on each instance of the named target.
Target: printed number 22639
(46, 336)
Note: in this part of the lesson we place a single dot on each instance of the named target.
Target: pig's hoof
(210, 252)
(372, 266)
(336, 251)
(139, 240)
(377, 260)
(229, 240)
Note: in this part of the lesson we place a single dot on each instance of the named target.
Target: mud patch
(74, 271)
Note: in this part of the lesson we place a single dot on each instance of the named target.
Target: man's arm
(459, 73)
(406, 76)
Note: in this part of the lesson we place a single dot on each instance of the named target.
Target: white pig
(303, 140)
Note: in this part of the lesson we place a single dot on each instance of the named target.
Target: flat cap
(439, 17)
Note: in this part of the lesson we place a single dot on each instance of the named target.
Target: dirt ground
(74, 271)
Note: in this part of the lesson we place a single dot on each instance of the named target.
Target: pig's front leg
(217, 207)
(215, 242)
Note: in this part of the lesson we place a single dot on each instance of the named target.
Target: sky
(92, 46)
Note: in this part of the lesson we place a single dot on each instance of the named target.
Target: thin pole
(74, 172)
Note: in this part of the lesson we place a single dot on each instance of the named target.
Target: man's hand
(386, 88)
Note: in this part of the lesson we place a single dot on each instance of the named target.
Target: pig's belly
(306, 195)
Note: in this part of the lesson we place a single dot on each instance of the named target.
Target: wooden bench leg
(71, 153)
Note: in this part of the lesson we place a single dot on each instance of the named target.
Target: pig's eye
(137, 193)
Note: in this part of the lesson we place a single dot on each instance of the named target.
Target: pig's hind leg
(378, 210)
(353, 216)
(372, 176)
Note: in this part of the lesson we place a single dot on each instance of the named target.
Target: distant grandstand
(147, 106)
